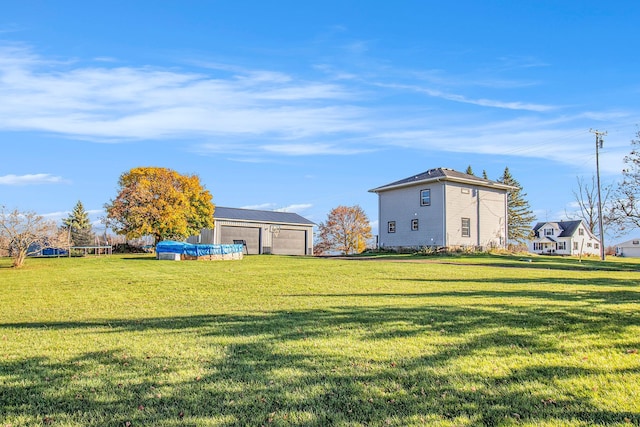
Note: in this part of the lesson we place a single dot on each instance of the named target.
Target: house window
(636, 242)
(391, 227)
(414, 225)
(548, 231)
(465, 190)
(580, 231)
(425, 197)
(596, 246)
(537, 246)
(589, 244)
(575, 246)
(466, 227)
(562, 246)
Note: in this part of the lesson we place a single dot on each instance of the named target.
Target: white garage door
(251, 235)
(289, 242)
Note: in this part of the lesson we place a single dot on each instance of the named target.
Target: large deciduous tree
(159, 202)
(78, 226)
(346, 230)
(26, 233)
(519, 214)
(625, 210)
(586, 198)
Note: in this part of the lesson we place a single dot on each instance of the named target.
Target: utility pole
(599, 142)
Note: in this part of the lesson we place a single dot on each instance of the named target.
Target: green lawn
(444, 341)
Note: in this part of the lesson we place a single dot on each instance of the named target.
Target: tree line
(167, 205)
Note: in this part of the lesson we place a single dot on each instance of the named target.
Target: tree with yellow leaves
(160, 202)
(347, 230)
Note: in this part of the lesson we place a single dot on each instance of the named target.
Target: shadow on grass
(286, 368)
(141, 257)
(508, 261)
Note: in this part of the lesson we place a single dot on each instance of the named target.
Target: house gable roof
(442, 174)
(238, 214)
(568, 227)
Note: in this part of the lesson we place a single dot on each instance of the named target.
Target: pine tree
(81, 231)
(519, 213)
(484, 174)
(469, 170)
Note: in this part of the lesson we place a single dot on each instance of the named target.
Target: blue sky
(305, 105)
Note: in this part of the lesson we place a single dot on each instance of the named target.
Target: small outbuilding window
(391, 227)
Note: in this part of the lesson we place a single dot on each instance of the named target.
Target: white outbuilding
(261, 232)
(630, 248)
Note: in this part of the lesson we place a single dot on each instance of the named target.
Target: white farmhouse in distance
(442, 208)
(564, 238)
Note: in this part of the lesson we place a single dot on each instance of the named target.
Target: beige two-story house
(442, 208)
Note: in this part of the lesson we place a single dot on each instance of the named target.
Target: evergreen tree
(81, 229)
(469, 171)
(484, 174)
(519, 213)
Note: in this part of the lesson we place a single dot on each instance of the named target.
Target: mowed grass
(294, 341)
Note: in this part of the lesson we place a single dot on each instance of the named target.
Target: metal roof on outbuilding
(271, 217)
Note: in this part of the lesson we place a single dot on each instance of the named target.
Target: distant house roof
(568, 227)
(442, 174)
(629, 243)
(270, 217)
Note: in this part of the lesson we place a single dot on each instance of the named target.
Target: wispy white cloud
(30, 179)
(56, 215)
(313, 149)
(509, 105)
(254, 151)
(297, 208)
(559, 140)
(116, 103)
(260, 207)
(262, 115)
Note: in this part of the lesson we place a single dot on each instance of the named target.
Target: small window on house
(636, 242)
(596, 245)
(575, 246)
(391, 227)
(425, 197)
(580, 231)
(562, 246)
(414, 225)
(465, 190)
(466, 227)
(548, 231)
(589, 244)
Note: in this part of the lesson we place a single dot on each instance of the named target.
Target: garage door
(289, 242)
(251, 235)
